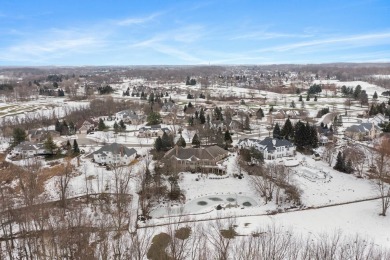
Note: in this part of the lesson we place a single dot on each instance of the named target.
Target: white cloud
(138, 20)
(373, 39)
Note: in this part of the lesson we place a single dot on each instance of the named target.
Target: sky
(119, 32)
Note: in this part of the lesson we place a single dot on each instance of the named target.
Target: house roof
(362, 128)
(115, 148)
(203, 153)
(267, 143)
(28, 146)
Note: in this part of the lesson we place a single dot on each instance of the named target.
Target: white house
(130, 116)
(364, 131)
(272, 148)
(114, 154)
(28, 149)
(152, 131)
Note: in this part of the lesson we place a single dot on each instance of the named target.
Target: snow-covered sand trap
(205, 205)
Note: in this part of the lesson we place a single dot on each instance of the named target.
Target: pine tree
(49, 144)
(340, 164)
(167, 141)
(299, 134)
(246, 123)
(181, 142)
(202, 118)
(308, 97)
(260, 113)
(18, 135)
(315, 98)
(287, 130)
(375, 96)
(58, 126)
(300, 98)
(158, 145)
(101, 125)
(76, 149)
(196, 141)
(68, 146)
(116, 127)
(122, 126)
(276, 131)
(313, 137)
(228, 138)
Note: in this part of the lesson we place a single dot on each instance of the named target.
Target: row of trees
(303, 135)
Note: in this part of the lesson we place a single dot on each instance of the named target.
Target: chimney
(273, 142)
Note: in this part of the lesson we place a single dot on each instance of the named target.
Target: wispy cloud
(56, 43)
(137, 20)
(263, 35)
(371, 39)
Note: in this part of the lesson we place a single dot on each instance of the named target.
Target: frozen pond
(205, 205)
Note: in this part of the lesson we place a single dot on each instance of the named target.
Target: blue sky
(119, 32)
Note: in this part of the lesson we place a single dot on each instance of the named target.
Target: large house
(197, 159)
(364, 131)
(130, 116)
(85, 127)
(114, 154)
(28, 149)
(39, 135)
(152, 131)
(271, 148)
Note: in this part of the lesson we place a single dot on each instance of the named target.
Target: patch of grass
(183, 233)
(215, 199)
(247, 224)
(228, 233)
(202, 203)
(230, 199)
(247, 204)
(157, 248)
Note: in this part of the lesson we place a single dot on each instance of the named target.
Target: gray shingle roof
(208, 153)
(115, 148)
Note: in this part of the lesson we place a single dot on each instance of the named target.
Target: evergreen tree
(228, 138)
(76, 149)
(185, 108)
(190, 105)
(18, 136)
(72, 128)
(348, 166)
(308, 97)
(357, 92)
(276, 131)
(196, 141)
(58, 126)
(340, 164)
(151, 98)
(299, 134)
(260, 113)
(167, 141)
(191, 121)
(202, 118)
(153, 118)
(315, 98)
(116, 127)
(64, 128)
(300, 98)
(246, 123)
(122, 126)
(375, 96)
(181, 142)
(49, 145)
(68, 146)
(158, 145)
(101, 125)
(313, 137)
(287, 130)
